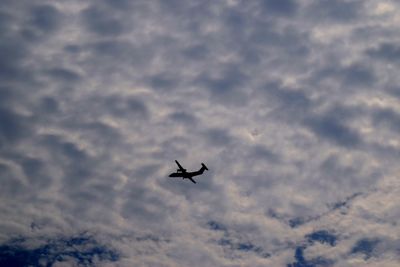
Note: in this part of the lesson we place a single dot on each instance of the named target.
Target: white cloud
(293, 106)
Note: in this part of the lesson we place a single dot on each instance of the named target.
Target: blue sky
(294, 106)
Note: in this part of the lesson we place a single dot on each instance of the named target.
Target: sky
(293, 105)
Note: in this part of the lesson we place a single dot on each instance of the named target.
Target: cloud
(386, 51)
(45, 17)
(64, 75)
(301, 261)
(292, 105)
(218, 137)
(11, 55)
(387, 118)
(337, 11)
(333, 130)
(13, 126)
(286, 7)
(225, 86)
(322, 236)
(102, 22)
(365, 246)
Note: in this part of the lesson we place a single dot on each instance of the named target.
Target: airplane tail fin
(204, 166)
(199, 172)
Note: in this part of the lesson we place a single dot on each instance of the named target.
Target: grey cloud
(64, 75)
(339, 173)
(100, 133)
(395, 91)
(137, 106)
(103, 55)
(45, 17)
(218, 137)
(49, 105)
(12, 52)
(365, 246)
(298, 221)
(235, 20)
(388, 245)
(322, 236)
(346, 113)
(358, 74)
(13, 127)
(291, 99)
(70, 150)
(163, 81)
(283, 7)
(333, 130)
(385, 51)
(92, 120)
(235, 246)
(12, 184)
(384, 151)
(116, 48)
(216, 226)
(233, 243)
(336, 10)
(101, 21)
(144, 206)
(145, 171)
(289, 104)
(124, 106)
(387, 118)
(7, 95)
(43, 20)
(121, 4)
(90, 128)
(196, 52)
(226, 86)
(73, 49)
(82, 179)
(36, 172)
(75, 163)
(15, 52)
(302, 261)
(261, 152)
(130, 108)
(183, 118)
(343, 204)
(270, 39)
(5, 21)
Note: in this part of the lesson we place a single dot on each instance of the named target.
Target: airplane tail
(204, 167)
(199, 172)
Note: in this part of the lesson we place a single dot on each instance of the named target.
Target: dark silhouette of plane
(181, 172)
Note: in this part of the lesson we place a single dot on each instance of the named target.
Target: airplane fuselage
(182, 174)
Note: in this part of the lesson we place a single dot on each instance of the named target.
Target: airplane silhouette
(181, 172)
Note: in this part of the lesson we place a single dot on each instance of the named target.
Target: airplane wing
(179, 165)
(192, 180)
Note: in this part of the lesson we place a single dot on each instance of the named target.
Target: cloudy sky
(294, 106)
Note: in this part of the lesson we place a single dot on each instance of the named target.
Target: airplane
(181, 172)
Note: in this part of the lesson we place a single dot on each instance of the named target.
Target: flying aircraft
(181, 172)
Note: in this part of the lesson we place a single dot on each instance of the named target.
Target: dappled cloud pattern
(294, 106)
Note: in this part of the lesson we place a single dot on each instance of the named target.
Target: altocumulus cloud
(293, 105)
